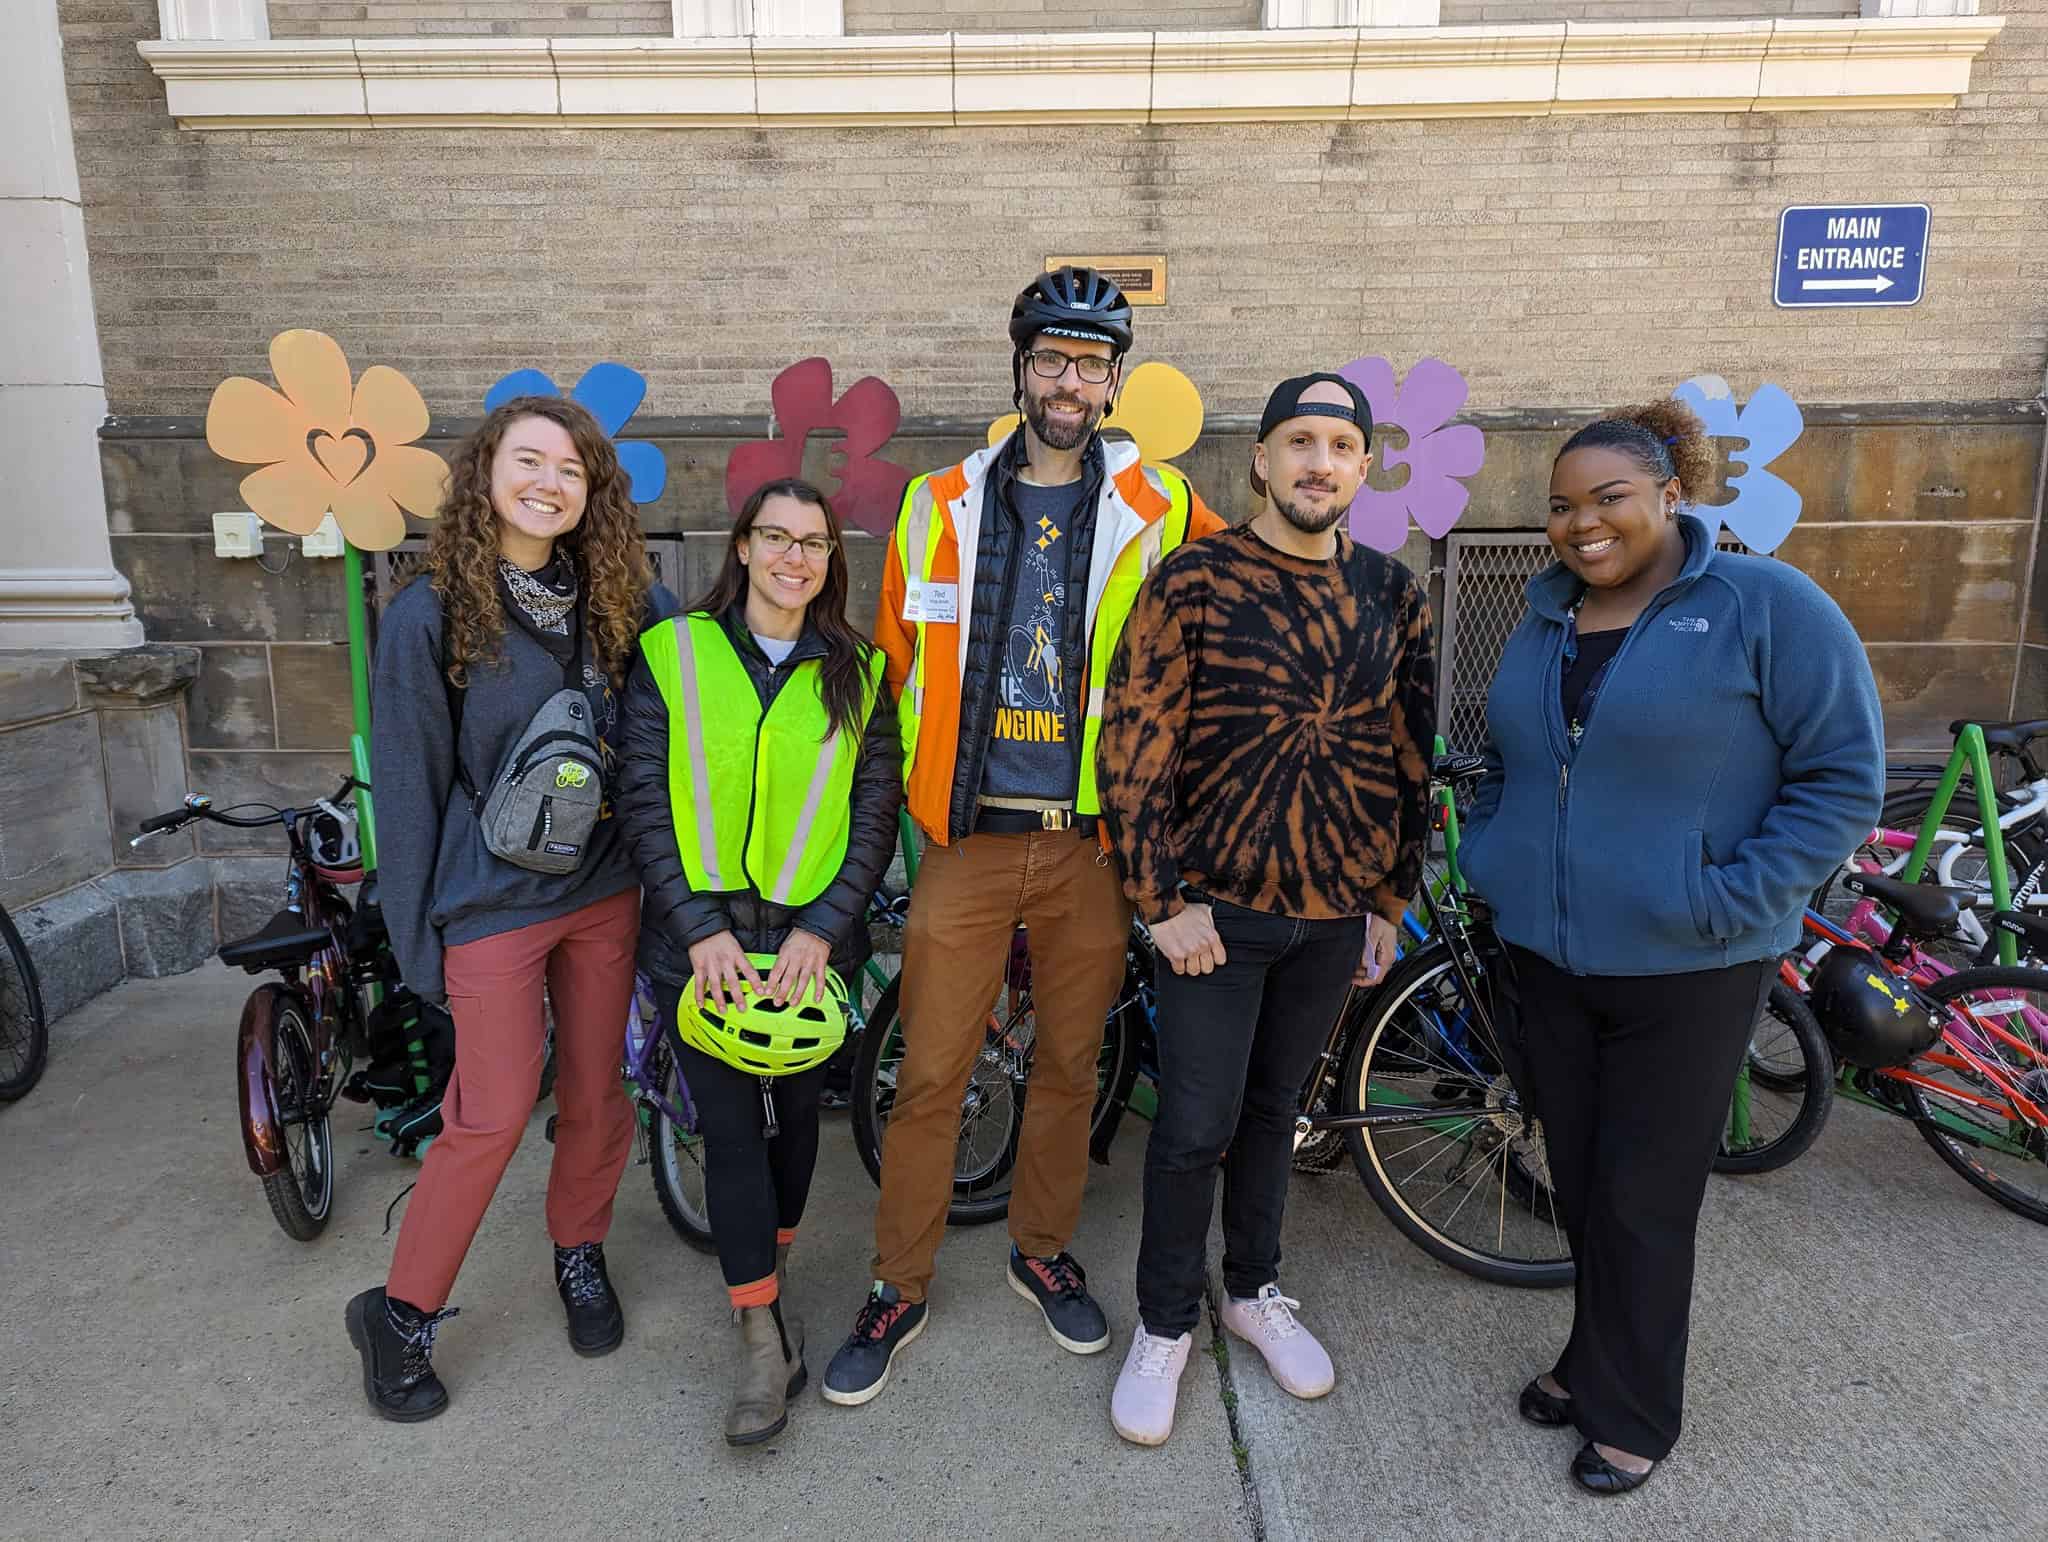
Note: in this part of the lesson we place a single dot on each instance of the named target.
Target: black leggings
(753, 1186)
(1631, 1076)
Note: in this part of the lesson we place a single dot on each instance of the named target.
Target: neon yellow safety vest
(760, 799)
(917, 530)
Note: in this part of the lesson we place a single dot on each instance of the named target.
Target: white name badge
(931, 602)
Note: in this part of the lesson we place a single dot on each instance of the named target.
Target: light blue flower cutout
(612, 393)
(1766, 506)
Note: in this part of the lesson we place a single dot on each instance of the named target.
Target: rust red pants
(585, 959)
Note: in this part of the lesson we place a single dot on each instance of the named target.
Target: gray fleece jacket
(435, 881)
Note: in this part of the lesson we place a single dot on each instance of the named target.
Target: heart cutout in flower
(343, 458)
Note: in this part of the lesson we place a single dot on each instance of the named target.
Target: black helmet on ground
(1072, 302)
(1872, 1017)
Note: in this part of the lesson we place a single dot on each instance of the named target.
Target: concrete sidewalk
(1864, 1361)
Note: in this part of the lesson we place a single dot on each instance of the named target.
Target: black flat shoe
(1596, 1475)
(1545, 1408)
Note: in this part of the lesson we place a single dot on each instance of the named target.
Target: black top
(1596, 650)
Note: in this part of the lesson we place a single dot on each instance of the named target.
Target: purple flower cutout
(1435, 456)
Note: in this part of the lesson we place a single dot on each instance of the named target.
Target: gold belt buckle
(1056, 819)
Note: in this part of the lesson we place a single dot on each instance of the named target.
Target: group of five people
(1097, 700)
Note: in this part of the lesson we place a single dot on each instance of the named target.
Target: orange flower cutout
(325, 445)
(1158, 407)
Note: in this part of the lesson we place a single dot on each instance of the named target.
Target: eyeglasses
(1050, 364)
(775, 541)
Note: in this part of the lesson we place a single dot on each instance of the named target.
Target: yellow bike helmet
(764, 1039)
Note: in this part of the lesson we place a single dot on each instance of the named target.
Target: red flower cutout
(870, 490)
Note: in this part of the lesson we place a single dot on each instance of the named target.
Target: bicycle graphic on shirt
(1031, 657)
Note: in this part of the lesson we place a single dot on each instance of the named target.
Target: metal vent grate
(1484, 576)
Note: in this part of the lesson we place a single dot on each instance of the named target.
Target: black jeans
(1235, 1047)
(752, 1186)
(1631, 1076)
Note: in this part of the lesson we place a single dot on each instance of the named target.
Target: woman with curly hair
(536, 584)
(1683, 742)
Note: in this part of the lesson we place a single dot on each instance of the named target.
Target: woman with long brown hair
(760, 775)
(498, 675)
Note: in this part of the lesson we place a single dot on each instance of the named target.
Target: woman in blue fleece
(1684, 742)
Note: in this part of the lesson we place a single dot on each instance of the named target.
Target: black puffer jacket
(672, 915)
(995, 583)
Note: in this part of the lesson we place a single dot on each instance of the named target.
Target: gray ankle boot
(764, 1385)
(792, 1325)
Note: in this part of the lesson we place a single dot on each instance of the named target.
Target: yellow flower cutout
(1158, 407)
(326, 445)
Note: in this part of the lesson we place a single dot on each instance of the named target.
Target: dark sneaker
(1060, 1289)
(861, 1368)
(396, 1342)
(596, 1324)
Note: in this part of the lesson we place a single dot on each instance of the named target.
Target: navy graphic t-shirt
(1032, 737)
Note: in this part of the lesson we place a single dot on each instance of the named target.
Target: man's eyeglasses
(775, 541)
(1050, 363)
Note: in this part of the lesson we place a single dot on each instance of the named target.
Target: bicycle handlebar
(198, 805)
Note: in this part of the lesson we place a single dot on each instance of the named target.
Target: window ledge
(1855, 64)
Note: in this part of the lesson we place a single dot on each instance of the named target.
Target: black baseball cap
(1286, 402)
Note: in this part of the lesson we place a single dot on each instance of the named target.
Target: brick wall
(1555, 260)
(469, 18)
(1048, 15)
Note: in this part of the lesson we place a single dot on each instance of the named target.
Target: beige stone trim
(1134, 77)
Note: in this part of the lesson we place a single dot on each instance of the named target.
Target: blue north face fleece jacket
(1733, 757)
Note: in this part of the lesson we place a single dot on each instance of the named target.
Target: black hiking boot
(596, 1324)
(396, 1342)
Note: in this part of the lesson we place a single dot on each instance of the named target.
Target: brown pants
(585, 959)
(967, 904)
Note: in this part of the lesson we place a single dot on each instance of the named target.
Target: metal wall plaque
(1142, 279)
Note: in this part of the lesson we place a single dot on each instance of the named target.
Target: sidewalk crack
(1226, 1387)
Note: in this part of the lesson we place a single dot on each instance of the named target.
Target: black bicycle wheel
(1458, 1165)
(24, 1033)
(1965, 1116)
(992, 1105)
(1772, 1121)
(675, 1157)
(301, 1193)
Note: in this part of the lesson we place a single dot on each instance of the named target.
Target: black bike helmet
(1072, 302)
(1872, 1017)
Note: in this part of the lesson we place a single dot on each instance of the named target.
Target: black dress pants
(1235, 1047)
(1631, 1076)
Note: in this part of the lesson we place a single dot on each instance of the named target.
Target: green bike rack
(1970, 752)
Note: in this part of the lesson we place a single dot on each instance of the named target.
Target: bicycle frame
(1955, 1053)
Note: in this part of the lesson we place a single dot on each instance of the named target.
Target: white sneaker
(1266, 1322)
(1141, 1408)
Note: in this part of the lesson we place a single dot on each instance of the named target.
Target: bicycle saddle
(1925, 909)
(1457, 768)
(285, 939)
(2006, 736)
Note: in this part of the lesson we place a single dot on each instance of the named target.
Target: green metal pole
(359, 687)
(1450, 802)
(1944, 794)
(1971, 742)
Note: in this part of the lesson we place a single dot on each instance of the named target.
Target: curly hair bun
(1684, 437)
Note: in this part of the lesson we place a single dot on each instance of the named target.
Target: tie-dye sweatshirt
(1266, 733)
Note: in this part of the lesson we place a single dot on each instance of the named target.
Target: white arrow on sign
(1876, 285)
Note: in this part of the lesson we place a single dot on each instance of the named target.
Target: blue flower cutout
(612, 393)
(1766, 507)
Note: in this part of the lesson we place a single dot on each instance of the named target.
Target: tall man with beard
(1006, 586)
(1264, 773)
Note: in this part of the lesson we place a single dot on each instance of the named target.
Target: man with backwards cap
(1007, 582)
(1264, 774)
